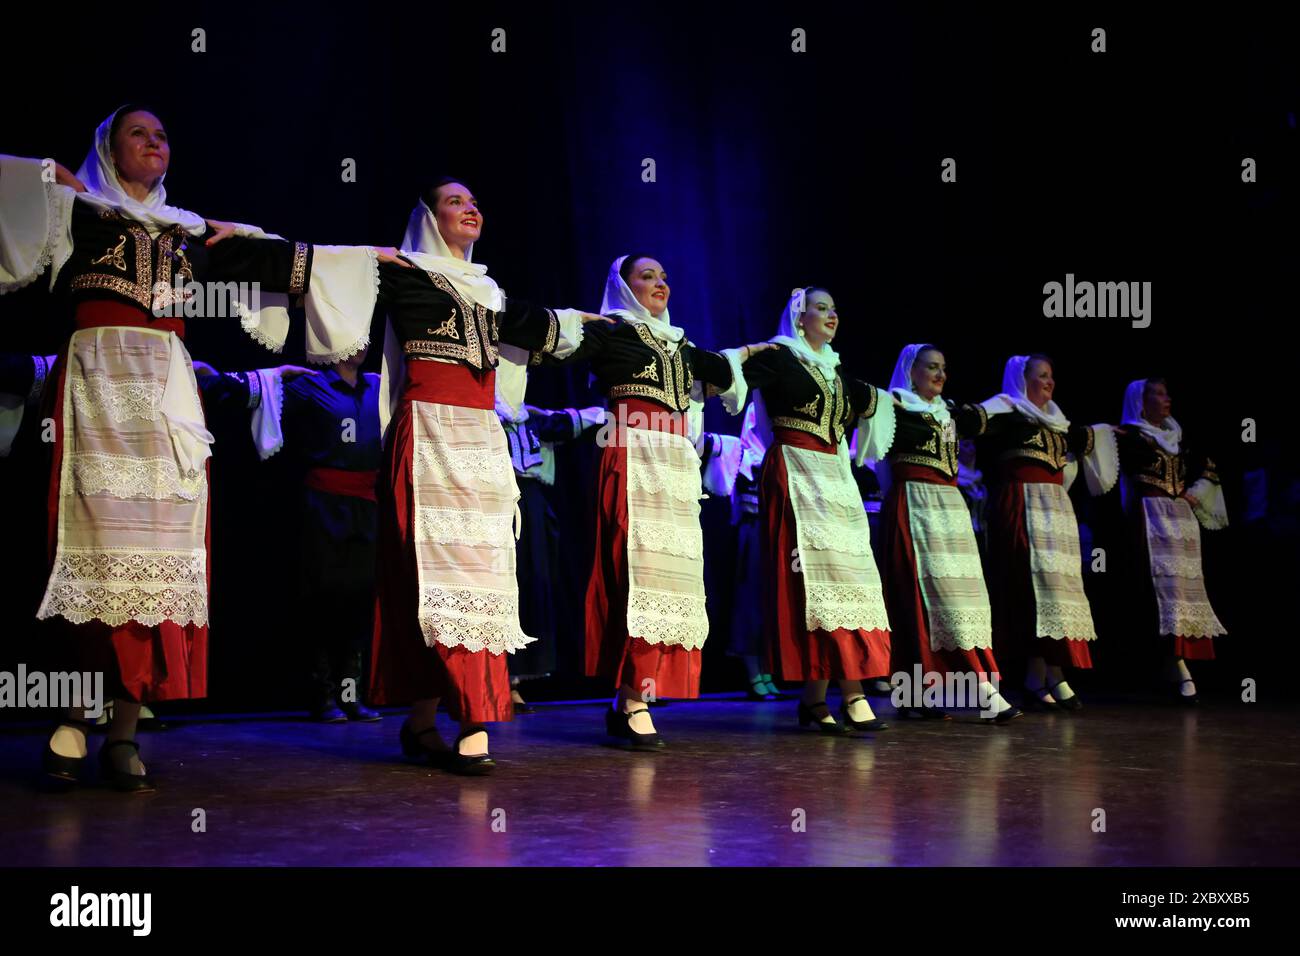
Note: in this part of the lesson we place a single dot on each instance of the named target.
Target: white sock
(860, 710)
(68, 741)
(479, 745)
(1056, 680)
(996, 702)
(1179, 672)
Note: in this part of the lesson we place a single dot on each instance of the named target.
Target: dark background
(774, 170)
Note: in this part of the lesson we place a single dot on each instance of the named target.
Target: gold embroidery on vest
(827, 423)
(651, 371)
(115, 257)
(810, 408)
(470, 351)
(138, 288)
(448, 328)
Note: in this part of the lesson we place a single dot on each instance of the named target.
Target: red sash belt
(443, 383)
(640, 413)
(800, 439)
(103, 313)
(338, 481)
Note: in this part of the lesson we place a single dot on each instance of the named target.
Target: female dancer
(934, 585)
(646, 619)
(128, 497)
(1169, 493)
(1036, 579)
(824, 613)
(447, 607)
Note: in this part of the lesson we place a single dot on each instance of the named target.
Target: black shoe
(1003, 717)
(878, 688)
(618, 724)
(121, 779)
(355, 710)
(808, 715)
(328, 713)
(61, 769)
(873, 724)
(414, 749)
(1180, 698)
(477, 765)
(657, 702)
(521, 706)
(1071, 703)
(754, 693)
(1033, 700)
(923, 713)
(152, 722)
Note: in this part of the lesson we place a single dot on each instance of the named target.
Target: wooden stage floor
(1215, 786)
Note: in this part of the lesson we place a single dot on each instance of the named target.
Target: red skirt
(403, 668)
(1011, 586)
(611, 653)
(1188, 648)
(140, 663)
(907, 617)
(794, 652)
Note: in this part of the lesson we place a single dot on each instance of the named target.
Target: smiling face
(1039, 384)
(1155, 403)
(649, 283)
(459, 220)
(139, 148)
(819, 319)
(929, 372)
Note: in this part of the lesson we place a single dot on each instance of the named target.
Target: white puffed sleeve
(35, 223)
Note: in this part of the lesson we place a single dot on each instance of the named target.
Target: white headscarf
(1015, 397)
(1168, 435)
(787, 334)
(104, 190)
(619, 300)
(900, 385)
(423, 244)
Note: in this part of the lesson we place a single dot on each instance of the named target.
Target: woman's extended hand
(221, 231)
(290, 372)
(751, 350)
(63, 177)
(392, 255)
(593, 317)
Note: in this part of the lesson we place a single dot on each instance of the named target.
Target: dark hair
(1153, 381)
(1038, 357)
(122, 113)
(625, 269)
(430, 195)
